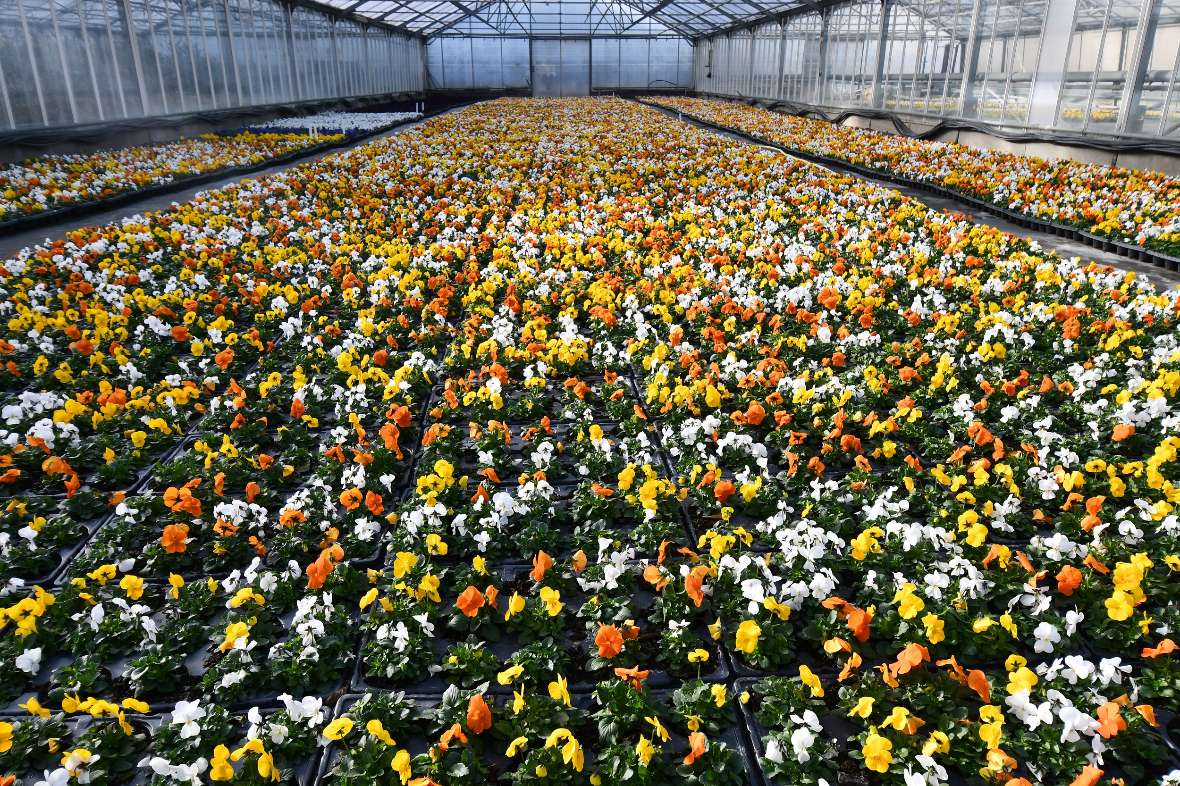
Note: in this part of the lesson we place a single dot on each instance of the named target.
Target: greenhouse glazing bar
(1100, 66)
(78, 62)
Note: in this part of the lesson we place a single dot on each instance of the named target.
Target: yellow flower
(938, 742)
(401, 765)
(552, 600)
(935, 628)
(898, 719)
(661, 732)
(698, 656)
(720, 694)
(133, 586)
(863, 708)
(571, 751)
(377, 730)
(339, 728)
(715, 629)
(33, 707)
(644, 750)
(5, 737)
(219, 767)
(515, 606)
(509, 675)
(1119, 606)
(559, 690)
(135, 705)
(368, 598)
(811, 680)
(515, 746)
(877, 751)
(1022, 679)
(747, 637)
(908, 602)
(403, 563)
(176, 582)
(233, 632)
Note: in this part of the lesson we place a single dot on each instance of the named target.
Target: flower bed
(560, 442)
(1132, 205)
(53, 182)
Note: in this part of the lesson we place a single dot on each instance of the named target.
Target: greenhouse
(668, 392)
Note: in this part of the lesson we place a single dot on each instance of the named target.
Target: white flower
(1046, 636)
(29, 661)
(186, 714)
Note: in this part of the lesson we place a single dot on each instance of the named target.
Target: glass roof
(688, 18)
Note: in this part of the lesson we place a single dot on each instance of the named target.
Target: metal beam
(877, 90)
(1130, 117)
(970, 57)
(1049, 76)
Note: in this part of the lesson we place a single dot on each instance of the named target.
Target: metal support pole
(136, 60)
(1051, 62)
(24, 22)
(65, 67)
(782, 60)
(970, 58)
(878, 88)
(1130, 118)
(821, 75)
(233, 54)
(753, 53)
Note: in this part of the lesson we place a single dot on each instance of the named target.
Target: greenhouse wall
(556, 67)
(1096, 66)
(70, 62)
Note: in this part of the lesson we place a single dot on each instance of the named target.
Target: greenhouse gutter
(94, 206)
(1126, 250)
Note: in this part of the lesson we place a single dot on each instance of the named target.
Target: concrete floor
(10, 245)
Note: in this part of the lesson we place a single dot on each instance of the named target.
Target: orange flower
(374, 503)
(694, 583)
(318, 571)
(755, 413)
(252, 491)
(1110, 720)
(724, 490)
(977, 681)
(224, 358)
(609, 641)
(1122, 431)
(350, 498)
(453, 733)
(1068, 580)
(1165, 647)
(181, 500)
(606, 492)
(1147, 712)
(541, 565)
(390, 434)
(634, 675)
(175, 538)
(470, 602)
(697, 745)
(1089, 776)
(180, 332)
(579, 561)
(479, 715)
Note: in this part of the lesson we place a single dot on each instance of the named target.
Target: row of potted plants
(561, 442)
(1131, 205)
